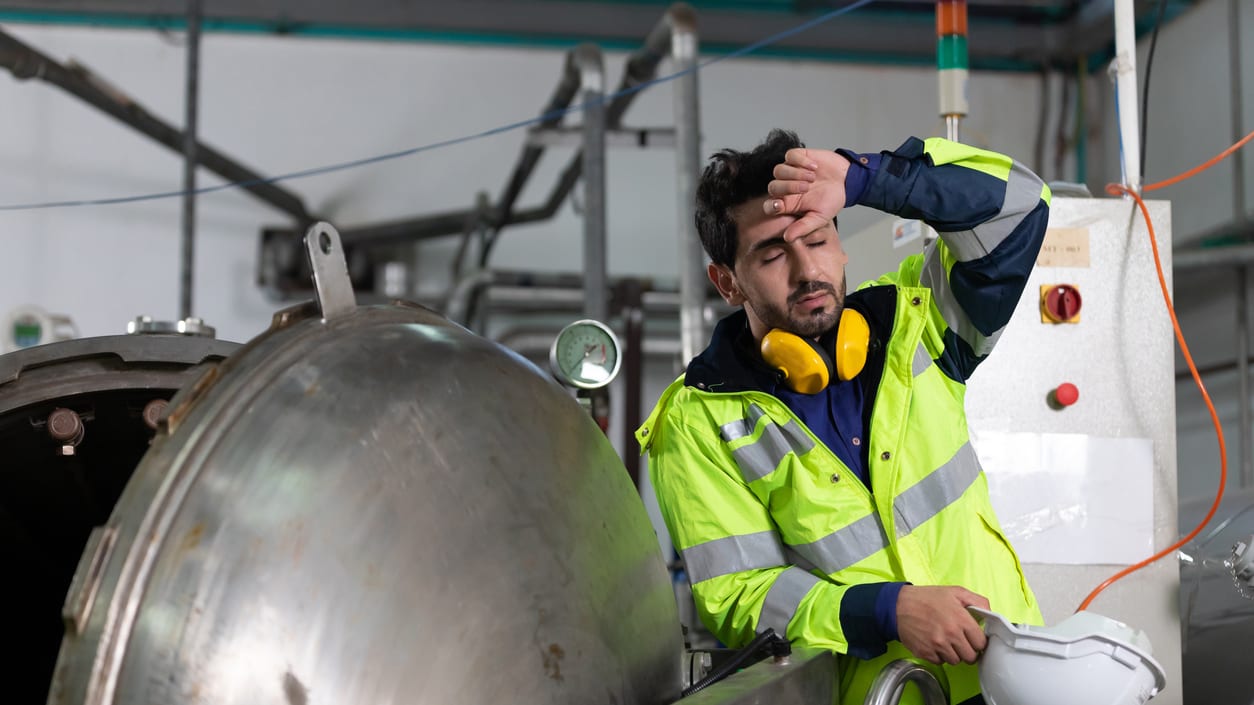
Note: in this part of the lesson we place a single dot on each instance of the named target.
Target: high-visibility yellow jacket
(773, 528)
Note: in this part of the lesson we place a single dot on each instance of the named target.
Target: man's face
(797, 285)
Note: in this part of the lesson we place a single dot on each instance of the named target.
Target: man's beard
(810, 325)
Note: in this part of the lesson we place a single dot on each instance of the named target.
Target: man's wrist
(862, 168)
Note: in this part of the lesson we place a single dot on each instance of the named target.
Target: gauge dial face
(585, 355)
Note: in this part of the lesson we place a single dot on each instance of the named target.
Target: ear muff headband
(806, 367)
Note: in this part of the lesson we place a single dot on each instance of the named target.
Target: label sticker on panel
(1065, 247)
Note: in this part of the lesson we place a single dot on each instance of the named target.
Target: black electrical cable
(778, 646)
(1149, 64)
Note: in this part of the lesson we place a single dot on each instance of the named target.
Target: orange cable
(1194, 171)
(1115, 190)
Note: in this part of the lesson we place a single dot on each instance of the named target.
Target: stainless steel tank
(372, 505)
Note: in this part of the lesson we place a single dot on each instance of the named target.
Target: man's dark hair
(730, 179)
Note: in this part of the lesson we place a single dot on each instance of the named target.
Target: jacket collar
(732, 363)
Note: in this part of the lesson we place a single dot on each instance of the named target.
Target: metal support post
(187, 255)
(1238, 118)
(592, 80)
(688, 162)
(629, 295)
(1243, 373)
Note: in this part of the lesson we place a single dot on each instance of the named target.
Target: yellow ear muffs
(806, 369)
(853, 337)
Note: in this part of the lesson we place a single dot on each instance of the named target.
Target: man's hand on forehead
(810, 183)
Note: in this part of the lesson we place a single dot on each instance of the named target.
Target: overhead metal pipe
(26, 62)
(1201, 258)
(641, 67)
(1186, 375)
(692, 278)
(410, 230)
(532, 290)
(552, 114)
(187, 256)
(642, 64)
(1126, 92)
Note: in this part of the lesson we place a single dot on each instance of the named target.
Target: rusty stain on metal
(553, 662)
(293, 314)
(197, 391)
(193, 537)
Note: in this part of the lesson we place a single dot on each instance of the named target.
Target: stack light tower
(951, 62)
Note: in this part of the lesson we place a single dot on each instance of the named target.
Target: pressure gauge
(585, 355)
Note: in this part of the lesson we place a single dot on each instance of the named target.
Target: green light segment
(951, 52)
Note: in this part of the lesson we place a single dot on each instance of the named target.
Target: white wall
(285, 104)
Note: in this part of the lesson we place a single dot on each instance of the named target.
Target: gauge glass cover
(585, 354)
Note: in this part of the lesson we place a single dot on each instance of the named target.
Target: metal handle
(330, 271)
(889, 684)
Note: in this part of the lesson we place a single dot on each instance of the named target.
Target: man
(855, 516)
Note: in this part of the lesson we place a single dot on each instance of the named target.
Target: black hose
(778, 647)
(1149, 64)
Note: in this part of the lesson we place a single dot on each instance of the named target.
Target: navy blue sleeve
(990, 212)
(862, 168)
(862, 617)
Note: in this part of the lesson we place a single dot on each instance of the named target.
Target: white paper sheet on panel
(1071, 498)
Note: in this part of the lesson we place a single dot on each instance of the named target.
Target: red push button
(1066, 394)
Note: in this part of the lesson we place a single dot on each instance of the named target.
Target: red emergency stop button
(1066, 394)
(1060, 303)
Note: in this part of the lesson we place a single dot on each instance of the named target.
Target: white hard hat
(1086, 659)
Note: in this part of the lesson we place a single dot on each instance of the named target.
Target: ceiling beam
(1004, 34)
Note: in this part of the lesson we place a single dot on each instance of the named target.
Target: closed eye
(818, 243)
(772, 258)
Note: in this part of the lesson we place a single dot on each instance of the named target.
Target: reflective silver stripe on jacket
(934, 277)
(742, 427)
(921, 361)
(783, 598)
(733, 554)
(927, 497)
(760, 458)
(1023, 192)
(791, 557)
(845, 546)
